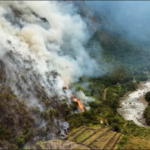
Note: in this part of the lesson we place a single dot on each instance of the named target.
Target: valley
(72, 77)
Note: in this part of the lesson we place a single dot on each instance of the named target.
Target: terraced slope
(84, 138)
(112, 143)
(76, 134)
(84, 135)
(72, 133)
(95, 138)
(100, 142)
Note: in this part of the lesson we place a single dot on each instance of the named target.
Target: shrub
(147, 96)
(20, 142)
(147, 115)
(49, 115)
(2, 132)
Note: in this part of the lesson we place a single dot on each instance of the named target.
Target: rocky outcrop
(58, 144)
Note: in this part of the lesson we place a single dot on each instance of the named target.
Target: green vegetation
(118, 50)
(16, 124)
(147, 110)
(147, 115)
(117, 83)
(135, 137)
(20, 142)
(49, 115)
(84, 135)
(147, 97)
(106, 110)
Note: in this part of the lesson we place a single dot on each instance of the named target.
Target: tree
(147, 96)
(49, 114)
(147, 115)
(20, 142)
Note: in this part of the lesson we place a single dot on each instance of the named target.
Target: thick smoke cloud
(62, 44)
(43, 48)
(133, 17)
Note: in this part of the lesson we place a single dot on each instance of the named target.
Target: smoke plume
(43, 48)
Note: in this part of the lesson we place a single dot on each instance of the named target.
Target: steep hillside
(62, 68)
(16, 124)
(117, 48)
(120, 50)
(40, 58)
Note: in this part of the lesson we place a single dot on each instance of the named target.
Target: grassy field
(85, 134)
(75, 133)
(88, 141)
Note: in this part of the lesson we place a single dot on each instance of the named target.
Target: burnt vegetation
(19, 123)
(15, 120)
(16, 124)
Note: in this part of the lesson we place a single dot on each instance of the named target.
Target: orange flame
(79, 102)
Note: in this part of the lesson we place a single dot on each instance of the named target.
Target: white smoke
(83, 97)
(40, 38)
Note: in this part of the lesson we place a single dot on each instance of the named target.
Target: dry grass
(138, 143)
(100, 142)
(76, 133)
(111, 144)
(88, 141)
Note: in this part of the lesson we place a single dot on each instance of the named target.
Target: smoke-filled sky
(132, 16)
(60, 41)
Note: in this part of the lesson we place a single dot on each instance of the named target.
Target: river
(133, 104)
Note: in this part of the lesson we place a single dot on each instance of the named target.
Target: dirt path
(104, 94)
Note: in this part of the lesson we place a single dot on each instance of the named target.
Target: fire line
(78, 101)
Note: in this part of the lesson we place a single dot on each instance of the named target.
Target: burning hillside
(42, 50)
(80, 105)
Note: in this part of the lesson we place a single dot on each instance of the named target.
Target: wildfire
(78, 101)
